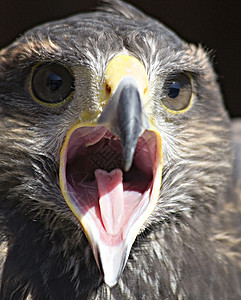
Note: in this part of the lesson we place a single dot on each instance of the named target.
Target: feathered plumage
(190, 245)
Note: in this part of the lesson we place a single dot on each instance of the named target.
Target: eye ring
(51, 84)
(178, 92)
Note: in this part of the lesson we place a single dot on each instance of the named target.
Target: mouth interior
(96, 181)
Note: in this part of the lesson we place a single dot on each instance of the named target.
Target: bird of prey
(120, 169)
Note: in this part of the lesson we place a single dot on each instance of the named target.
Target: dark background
(216, 24)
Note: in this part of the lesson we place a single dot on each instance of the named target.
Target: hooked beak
(125, 116)
(110, 172)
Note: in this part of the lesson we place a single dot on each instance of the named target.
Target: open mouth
(95, 185)
(110, 170)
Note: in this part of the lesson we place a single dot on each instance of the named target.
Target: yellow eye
(178, 90)
(51, 84)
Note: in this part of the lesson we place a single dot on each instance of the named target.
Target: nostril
(108, 89)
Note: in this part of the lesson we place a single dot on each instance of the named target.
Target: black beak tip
(127, 165)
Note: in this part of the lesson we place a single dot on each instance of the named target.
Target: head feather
(121, 8)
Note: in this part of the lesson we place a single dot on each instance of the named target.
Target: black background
(216, 24)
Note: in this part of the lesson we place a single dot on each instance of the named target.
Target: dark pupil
(174, 89)
(54, 81)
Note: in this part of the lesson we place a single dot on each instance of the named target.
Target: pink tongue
(110, 188)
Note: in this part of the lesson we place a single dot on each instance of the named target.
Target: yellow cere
(120, 67)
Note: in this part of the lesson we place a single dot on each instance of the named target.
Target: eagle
(120, 168)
